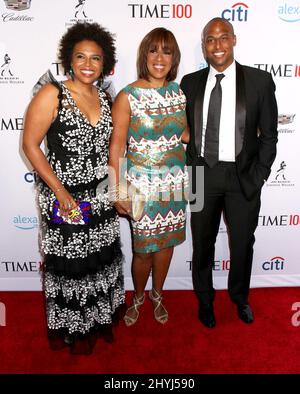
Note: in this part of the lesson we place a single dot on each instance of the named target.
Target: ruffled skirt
(83, 276)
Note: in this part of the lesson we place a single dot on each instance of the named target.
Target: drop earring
(71, 73)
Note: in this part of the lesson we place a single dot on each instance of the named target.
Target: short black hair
(92, 32)
(214, 20)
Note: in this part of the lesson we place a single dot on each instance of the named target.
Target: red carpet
(270, 345)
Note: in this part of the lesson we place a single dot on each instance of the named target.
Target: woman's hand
(123, 207)
(185, 136)
(66, 202)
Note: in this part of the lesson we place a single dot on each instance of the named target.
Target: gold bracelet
(113, 192)
(59, 189)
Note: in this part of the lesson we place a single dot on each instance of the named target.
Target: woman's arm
(185, 136)
(40, 114)
(121, 118)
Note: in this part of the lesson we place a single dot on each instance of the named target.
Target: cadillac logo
(17, 5)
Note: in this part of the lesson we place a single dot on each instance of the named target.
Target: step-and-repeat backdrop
(268, 34)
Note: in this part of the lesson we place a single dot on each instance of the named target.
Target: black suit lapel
(240, 111)
(198, 109)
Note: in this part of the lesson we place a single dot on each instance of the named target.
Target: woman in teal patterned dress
(149, 120)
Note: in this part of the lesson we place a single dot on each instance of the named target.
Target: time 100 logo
(160, 10)
(181, 11)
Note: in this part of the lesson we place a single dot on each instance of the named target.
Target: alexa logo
(275, 264)
(25, 222)
(289, 13)
(237, 13)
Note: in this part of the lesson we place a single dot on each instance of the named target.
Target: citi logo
(238, 12)
(30, 177)
(275, 264)
(25, 222)
(280, 70)
(289, 13)
(162, 11)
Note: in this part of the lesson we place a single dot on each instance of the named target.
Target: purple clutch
(79, 215)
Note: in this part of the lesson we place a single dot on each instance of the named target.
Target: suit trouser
(222, 193)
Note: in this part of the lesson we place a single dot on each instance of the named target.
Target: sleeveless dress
(156, 165)
(83, 278)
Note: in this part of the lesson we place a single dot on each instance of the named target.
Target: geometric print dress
(83, 278)
(156, 165)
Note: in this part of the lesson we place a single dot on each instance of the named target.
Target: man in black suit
(232, 114)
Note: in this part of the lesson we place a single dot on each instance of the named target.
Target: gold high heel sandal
(162, 315)
(137, 302)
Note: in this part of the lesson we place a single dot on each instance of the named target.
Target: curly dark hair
(88, 31)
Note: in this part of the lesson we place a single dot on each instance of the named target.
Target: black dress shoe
(206, 315)
(245, 313)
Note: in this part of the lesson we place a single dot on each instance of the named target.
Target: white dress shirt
(227, 120)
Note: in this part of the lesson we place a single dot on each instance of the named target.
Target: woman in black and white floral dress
(83, 279)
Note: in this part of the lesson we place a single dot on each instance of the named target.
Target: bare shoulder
(121, 108)
(139, 83)
(46, 100)
(48, 91)
(121, 99)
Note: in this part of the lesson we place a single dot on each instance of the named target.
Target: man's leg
(205, 226)
(241, 217)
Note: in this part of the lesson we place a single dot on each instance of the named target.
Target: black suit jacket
(255, 123)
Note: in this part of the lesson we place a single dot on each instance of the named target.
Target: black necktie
(211, 147)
